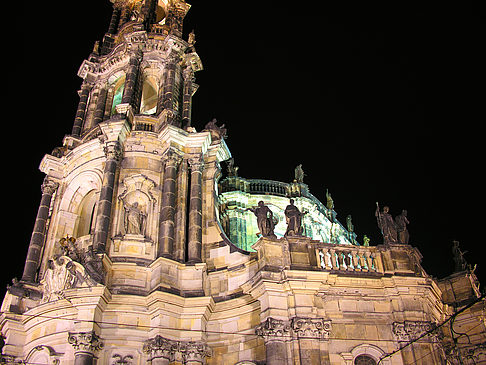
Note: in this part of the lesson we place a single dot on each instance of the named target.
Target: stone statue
(386, 224)
(329, 201)
(401, 222)
(217, 132)
(293, 217)
(265, 221)
(366, 240)
(349, 223)
(460, 263)
(63, 273)
(299, 174)
(232, 169)
(134, 219)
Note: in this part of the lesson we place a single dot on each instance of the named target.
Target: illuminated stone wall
(238, 194)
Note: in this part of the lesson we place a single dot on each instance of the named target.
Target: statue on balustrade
(386, 224)
(401, 222)
(293, 217)
(460, 263)
(231, 168)
(265, 219)
(299, 174)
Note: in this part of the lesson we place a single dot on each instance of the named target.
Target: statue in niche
(401, 222)
(265, 220)
(386, 224)
(293, 217)
(134, 219)
(299, 174)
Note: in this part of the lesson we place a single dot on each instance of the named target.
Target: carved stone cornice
(312, 328)
(411, 330)
(85, 341)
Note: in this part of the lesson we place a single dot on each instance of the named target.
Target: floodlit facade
(145, 250)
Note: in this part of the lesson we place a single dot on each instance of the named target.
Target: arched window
(118, 87)
(364, 360)
(87, 214)
(148, 104)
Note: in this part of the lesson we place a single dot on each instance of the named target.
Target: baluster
(364, 263)
(322, 258)
(333, 258)
(357, 261)
(350, 260)
(372, 262)
(343, 259)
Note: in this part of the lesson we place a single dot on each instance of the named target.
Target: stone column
(81, 111)
(275, 333)
(113, 157)
(100, 107)
(38, 234)
(85, 345)
(310, 332)
(115, 18)
(159, 350)
(188, 75)
(195, 211)
(131, 78)
(167, 213)
(181, 213)
(166, 97)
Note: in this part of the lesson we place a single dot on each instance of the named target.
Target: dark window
(364, 360)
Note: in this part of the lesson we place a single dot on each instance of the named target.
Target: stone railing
(349, 258)
(261, 186)
(142, 123)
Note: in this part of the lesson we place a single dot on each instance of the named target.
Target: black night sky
(377, 102)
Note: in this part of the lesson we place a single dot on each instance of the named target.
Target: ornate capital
(194, 350)
(410, 330)
(169, 349)
(196, 163)
(316, 328)
(113, 151)
(49, 186)
(273, 329)
(85, 341)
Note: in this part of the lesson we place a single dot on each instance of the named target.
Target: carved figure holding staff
(265, 221)
(386, 224)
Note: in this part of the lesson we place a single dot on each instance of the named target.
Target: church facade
(148, 248)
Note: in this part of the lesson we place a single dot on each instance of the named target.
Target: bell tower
(128, 200)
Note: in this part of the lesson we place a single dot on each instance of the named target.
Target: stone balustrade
(349, 258)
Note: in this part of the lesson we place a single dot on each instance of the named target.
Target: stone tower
(141, 253)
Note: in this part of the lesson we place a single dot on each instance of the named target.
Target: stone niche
(134, 219)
